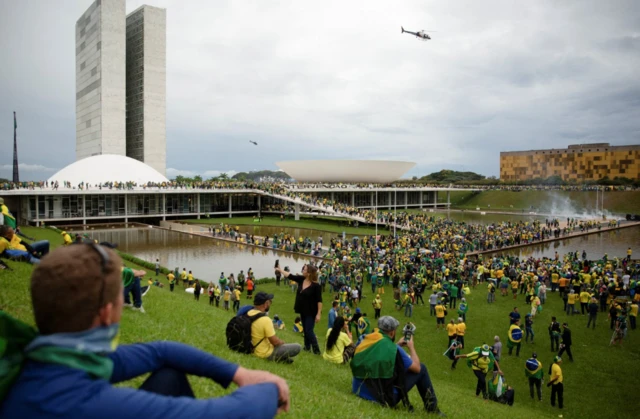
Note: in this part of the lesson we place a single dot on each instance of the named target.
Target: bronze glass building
(579, 162)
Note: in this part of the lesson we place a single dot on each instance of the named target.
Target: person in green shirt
(131, 283)
(453, 292)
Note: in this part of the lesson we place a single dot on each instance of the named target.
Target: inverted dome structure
(370, 171)
(108, 168)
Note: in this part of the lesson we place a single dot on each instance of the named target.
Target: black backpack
(239, 333)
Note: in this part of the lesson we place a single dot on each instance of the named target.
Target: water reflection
(204, 256)
(614, 243)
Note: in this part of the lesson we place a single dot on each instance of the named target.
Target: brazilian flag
(533, 368)
(364, 326)
(8, 218)
(375, 357)
(515, 335)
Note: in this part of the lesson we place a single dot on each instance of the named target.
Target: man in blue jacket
(68, 368)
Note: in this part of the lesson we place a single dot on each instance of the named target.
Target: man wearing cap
(77, 304)
(481, 360)
(556, 383)
(375, 360)
(566, 341)
(263, 336)
(533, 371)
(66, 238)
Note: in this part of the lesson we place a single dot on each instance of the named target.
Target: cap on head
(261, 298)
(557, 359)
(388, 324)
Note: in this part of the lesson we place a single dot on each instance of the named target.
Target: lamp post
(375, 210)
(395, 210)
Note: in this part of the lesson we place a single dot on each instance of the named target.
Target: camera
(408, 331)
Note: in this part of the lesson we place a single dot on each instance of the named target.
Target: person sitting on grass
(13, 246)
(383, 372)
(77, 298)
(297, 325)
(339, 346)
(278, 324)
(263, 335)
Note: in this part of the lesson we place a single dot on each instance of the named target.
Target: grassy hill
(544, 201)
(598, 384)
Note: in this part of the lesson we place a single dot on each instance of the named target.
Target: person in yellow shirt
(571, 303)
(226, 298)
(441, 312)
(461, 329)
(514, 289)
(183, 276)
(556, 383)
(172, 280)
(584, 300)
(236, 299)
(339, 347)
(451, 332)
(263, 335)
(633, 313)
(12, 246)
(67, 238)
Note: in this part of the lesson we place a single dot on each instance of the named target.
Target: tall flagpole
(16, 174)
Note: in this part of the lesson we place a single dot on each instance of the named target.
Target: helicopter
(253, 142)
(420, 34)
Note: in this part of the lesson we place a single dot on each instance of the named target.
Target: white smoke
(559, 205)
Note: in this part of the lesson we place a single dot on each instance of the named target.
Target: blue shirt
(361, 390)
(57, 391)
(332, 317)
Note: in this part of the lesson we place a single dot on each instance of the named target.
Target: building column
(435, 199)
(353, 199)
(448, 199)
(390, 201)
(332, 197)
(296, 208)
(126, 208)
(373, 194)
(230, 207)
(420, 199)
(37, 211)
(406, 199)
(164, 207)
(198, 203)
(259, 205)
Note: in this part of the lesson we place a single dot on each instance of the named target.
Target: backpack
(239, 333)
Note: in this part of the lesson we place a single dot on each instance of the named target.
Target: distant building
(579, 162)
(121, 83)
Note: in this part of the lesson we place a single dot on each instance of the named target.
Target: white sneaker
(128, 305)
(140, 309)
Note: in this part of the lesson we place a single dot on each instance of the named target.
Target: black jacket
(566, 337)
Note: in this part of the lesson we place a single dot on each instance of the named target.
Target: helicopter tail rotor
(402, 29)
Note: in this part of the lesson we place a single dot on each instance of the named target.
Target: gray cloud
(338, 80)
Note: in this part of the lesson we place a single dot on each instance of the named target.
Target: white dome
(107, 168)
(375, 171)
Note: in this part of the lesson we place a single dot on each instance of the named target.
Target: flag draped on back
(375, 357)
(533, 368)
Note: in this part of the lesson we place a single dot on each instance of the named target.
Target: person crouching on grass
(77, 297)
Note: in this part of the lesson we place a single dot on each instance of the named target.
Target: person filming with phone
(384, 372)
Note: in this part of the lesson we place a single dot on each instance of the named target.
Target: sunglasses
(104, 261)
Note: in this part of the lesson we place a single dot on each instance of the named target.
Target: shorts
(249, 293)
(514, 290)
(439, 320)
(504, 285)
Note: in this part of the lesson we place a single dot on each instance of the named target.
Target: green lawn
(601, 379)
(615, 202)
(331, 225)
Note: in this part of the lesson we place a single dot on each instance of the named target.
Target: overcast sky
(337, 80)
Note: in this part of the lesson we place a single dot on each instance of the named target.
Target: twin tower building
(121, 83)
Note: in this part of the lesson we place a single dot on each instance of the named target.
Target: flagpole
(16, 174)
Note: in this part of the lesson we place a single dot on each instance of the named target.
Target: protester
(333, 314)
(14, 247)
(566, 342)
(77, 299)
(514, 338)
(131, 285)
(263, 336)
(592, 309)
(308, 303)
(339, 344)
(481, 360)
(375, 360)
(554, 334)
(534, 372)
(556, 382)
